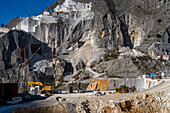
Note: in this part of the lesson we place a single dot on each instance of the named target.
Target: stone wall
(113, 83)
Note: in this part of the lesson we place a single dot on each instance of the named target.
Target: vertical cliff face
(105, 24)
(63, 34)
(80, 22)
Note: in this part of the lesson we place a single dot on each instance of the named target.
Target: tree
(2, 25)
(158, 35)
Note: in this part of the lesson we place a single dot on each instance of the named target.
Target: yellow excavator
(125, 89)
(42, 87)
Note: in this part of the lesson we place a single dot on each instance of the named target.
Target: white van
(14, 100)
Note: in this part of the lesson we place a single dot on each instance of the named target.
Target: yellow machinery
(43, 88)
(125, 89)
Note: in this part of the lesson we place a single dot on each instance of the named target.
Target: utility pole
(25, 81)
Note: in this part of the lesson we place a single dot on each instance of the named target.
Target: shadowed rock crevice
(11, 45)
(68, 70)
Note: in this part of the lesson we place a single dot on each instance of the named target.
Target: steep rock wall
(13, 68)
(84, 29)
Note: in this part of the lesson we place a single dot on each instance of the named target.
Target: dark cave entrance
(34, 48)
(68, 70)
(54, 51)
(80, 44)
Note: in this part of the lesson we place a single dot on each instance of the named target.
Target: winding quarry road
(164, 85)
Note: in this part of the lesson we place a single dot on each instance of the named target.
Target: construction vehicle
(125, 89)
(40, 86)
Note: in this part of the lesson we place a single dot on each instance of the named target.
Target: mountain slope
(93, 34)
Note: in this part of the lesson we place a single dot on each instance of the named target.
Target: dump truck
(125, 89)
(40, 86)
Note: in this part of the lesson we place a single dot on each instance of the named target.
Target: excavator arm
(34, 83)
(30, 84)
(44, 88)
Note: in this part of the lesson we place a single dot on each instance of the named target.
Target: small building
(46, 13)
(8, 90)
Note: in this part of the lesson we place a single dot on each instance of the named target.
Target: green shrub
(110, 55)
(76, 77)
(158, 36)
(143, 58)
(2, 25)
(86, 77)
(149, 36)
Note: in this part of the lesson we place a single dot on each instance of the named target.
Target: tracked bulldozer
(125, 89)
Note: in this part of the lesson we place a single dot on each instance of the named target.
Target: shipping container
(8, 90)
(152, 75)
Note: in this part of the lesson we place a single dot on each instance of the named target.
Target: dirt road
(165, 85)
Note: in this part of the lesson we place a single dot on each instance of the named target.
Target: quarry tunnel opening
(68, 69)
(34, 48)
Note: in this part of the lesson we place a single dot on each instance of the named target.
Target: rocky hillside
(155, 100)
(140, 104)
(80, 38)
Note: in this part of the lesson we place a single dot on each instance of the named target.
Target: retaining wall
(139, 83)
